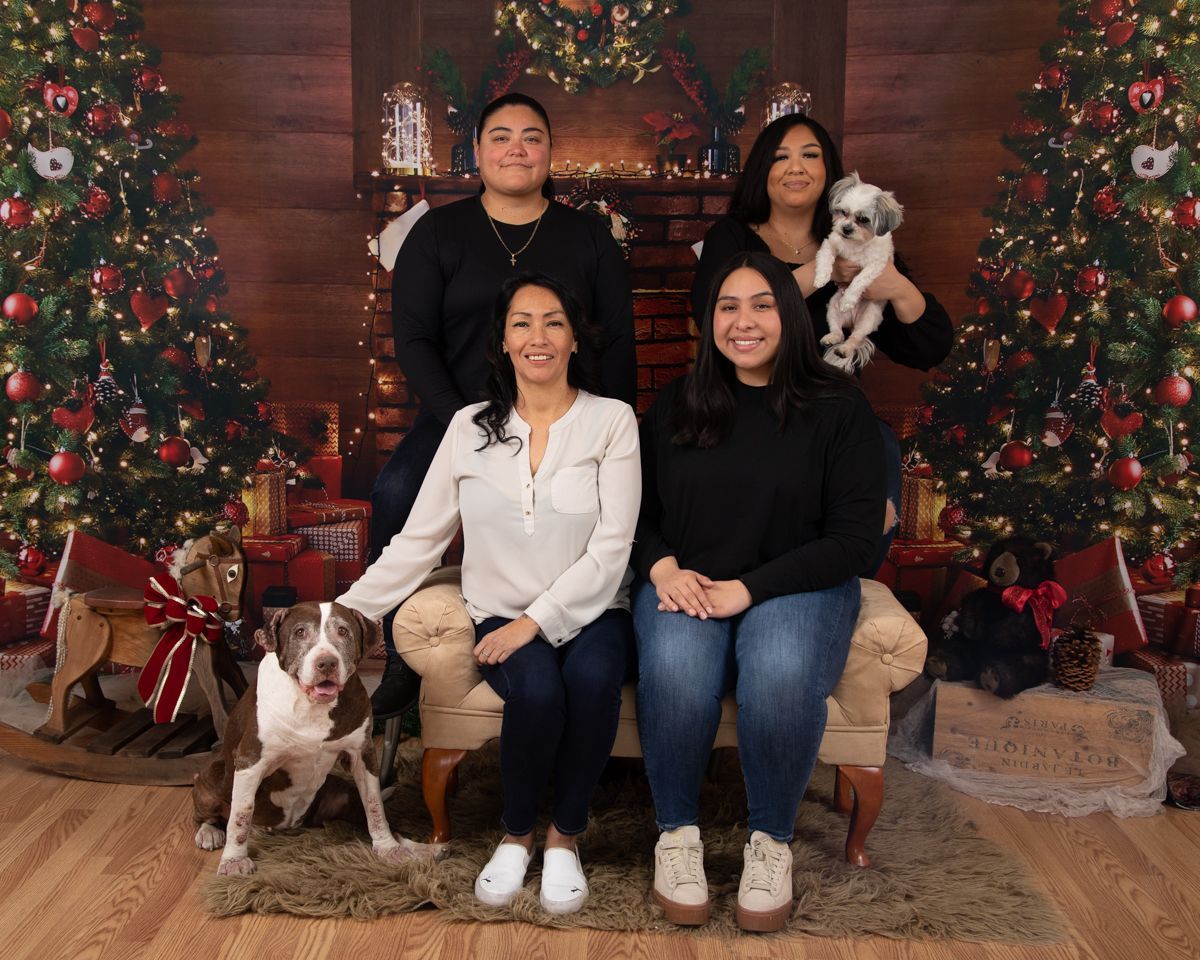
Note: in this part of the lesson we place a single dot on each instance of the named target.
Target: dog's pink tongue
(326, 687)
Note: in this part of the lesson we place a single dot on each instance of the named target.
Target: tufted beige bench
(460, 712)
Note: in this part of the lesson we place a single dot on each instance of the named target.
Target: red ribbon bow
(164, 678)
(1043, 601)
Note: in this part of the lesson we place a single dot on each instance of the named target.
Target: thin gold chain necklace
(513, 254)
(788, 243)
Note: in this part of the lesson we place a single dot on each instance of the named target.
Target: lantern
(785, 98)
(407, 148)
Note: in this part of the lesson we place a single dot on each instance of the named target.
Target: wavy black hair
(704, 410)
(750, 203)
(500, 388)
(517, 100)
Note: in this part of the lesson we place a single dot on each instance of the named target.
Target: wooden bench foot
(867, 784)
(437, 772)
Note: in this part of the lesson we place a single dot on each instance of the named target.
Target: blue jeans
(561, 706)
(783, 657)
(396, 490)
(891, 454)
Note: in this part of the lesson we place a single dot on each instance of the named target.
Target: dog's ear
(840, 188)
(887, 215)
(267, 636)
(370, 633)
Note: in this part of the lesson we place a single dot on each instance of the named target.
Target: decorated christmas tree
(132, 409)
(1066, 409)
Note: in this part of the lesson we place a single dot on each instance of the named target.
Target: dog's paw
(210, 837)
(832, 337)
(835, 359)
(236, 866)
(404, 850)
(846, 350)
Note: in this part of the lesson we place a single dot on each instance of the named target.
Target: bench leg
(437, 769)
(867, 783)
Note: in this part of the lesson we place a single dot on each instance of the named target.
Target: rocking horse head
(213, 565)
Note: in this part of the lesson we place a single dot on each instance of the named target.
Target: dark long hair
(500, 388)
(517, 100)
(704, 409)
(750, 203)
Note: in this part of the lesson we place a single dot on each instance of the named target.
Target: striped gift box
(18, 654)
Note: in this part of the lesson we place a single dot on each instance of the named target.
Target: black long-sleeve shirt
(783, 511)
(922, 344)
(444, 287)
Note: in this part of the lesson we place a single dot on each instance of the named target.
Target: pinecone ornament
(106, 385)
(1089, 392)
(1075, 659)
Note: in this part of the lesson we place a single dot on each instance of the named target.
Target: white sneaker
(764, 900)
(503, 876)
(564, 887)
(680, 886)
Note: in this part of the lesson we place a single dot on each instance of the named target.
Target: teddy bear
(1001, 634)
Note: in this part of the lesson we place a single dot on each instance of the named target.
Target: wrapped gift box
(316, 512)
(12, 617)
(920, 505)
(1186, 640)
(1100, 592)
(276, 549)
(901, 417)
(311, 572)
(312, 423)
(37, 602)
(1162, 614)
(19, 654)
(1171, 673)
(347, 541)
(266, 499)
(329, 471)
(347, 573)
(88, 563)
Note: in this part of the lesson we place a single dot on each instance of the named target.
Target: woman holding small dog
(762, 504)
(781, 206)
(544, 478)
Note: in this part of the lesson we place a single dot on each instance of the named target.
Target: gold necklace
(512, 255)
(788, 243)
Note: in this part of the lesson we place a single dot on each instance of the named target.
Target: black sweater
(444, 288)
(922, 344)
(783, 511)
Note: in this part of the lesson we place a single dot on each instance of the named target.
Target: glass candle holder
(407, 147)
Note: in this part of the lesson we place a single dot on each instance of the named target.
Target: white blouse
(554, 545)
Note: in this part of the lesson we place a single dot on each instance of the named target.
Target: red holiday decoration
(87, 39)
(998, 412)
(5, 124)
(1017, 285)
(990, 273)
(1091, 280)
(135, 422)
(100, 15)
(957, 435)
(174, 127)
(20, 308)
(925, 414)
(1145, 95)
(1120, 419)
(1125, 473)
(1018, 361)
(1033, 187)
(1057, 426)
(177, 357)
(1105, 203)
(1173, 391)
(1118, 34)
(951, 517)
(581, 34)
(77, 413)
(1054, 76)
(31, 562)
(16, 213)
(1179, 310)
(1184, 462)
(22, 386)
(149, 309)
(62, 100)
(1159, 569)
(179, 284)
(67, 467)
(597, 10)
(107, 279)
(1187, 213)
(165, 187)
(100, 118)
(96, 203)
(234, 431)
(147, 80)
(1026, 127)
(236, 512)
(1049, 311)
(1103, 12)
(1103, 115)
(175, 452)
(1015, 455)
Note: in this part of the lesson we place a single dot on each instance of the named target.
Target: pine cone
(1075, 659)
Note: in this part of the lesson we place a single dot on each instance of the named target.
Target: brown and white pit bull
(306, 710)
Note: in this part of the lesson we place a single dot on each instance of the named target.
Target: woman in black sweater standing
(444, 286)
(781, 206)
(762, 504)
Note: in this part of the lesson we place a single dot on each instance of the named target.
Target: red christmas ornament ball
(96, 203)
(16, 213)
(1118, 34)
(581, 35)
(1159, 569)
(1015, 455)
(1103, 12)
(264, 411)
(234, 431)
(22, 386)
(31, 562)
(1018, 361)
(147, 80)
(1105, 203)
(1017, 285)
(100, 118)
(264, 465)
(950, 518)
(1187, 213)
(1125, 473)
(166, 187)
(1054, 76)
(1173, 391)
(67, 467)
(597, 10)
(100, 15)
(1033, 187)
(20, 308)
(180, 284)
(5, 124)
(236, 512)
(1179, 310)
(957, 435)
(177, 357)
(107, 278)
(175, 452)
(1103, 115)
(1090, 281)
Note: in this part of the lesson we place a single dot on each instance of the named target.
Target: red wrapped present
(920, 505)
(311, 572)
(1161, 615)
(923, 553)
(316, 513)
(88, 563)
(312, 423)
(329, 471)
(12, 617)
(276, 549)
(266, 499)
(43, 579)
(1170, 673)
(347, 573)
(33, 649)
(347, 541)
(1141, 585)
(37, 602)
(1099, 590)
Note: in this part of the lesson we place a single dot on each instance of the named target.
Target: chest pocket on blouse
(573, 490)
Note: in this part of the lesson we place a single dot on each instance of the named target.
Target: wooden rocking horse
(116, 624)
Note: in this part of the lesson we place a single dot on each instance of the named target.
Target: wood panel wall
(268, 86)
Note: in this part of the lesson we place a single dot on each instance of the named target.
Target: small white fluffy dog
(864, 217)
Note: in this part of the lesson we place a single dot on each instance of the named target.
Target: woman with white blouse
(545, 479)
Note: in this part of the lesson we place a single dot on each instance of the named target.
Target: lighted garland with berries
(579, 44)
(608, 207)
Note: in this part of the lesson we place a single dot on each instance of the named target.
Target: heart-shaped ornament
(62, 100)
(1048, 311)
(1120, 420)
(1145, 95)
(51, 164)
(1118, 33)
(148, 309)
(1150, 164)
(86, 38)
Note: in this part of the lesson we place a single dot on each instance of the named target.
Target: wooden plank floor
(91, 870)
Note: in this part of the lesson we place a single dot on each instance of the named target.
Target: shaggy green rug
(932, 875)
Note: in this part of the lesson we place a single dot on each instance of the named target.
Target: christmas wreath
(577, 43)
(609, 207)
(724, 111)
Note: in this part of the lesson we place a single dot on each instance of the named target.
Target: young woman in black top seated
(781, 206)
(444, 285)
(762, 504)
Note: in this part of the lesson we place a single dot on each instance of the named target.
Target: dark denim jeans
(560, 717)
(396, 490)
(891, 454)
(783, 657)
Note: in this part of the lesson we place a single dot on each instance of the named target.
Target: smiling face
(319, 645)
(797, 175)
(746, 327)
(538, 338)
(513, 151)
